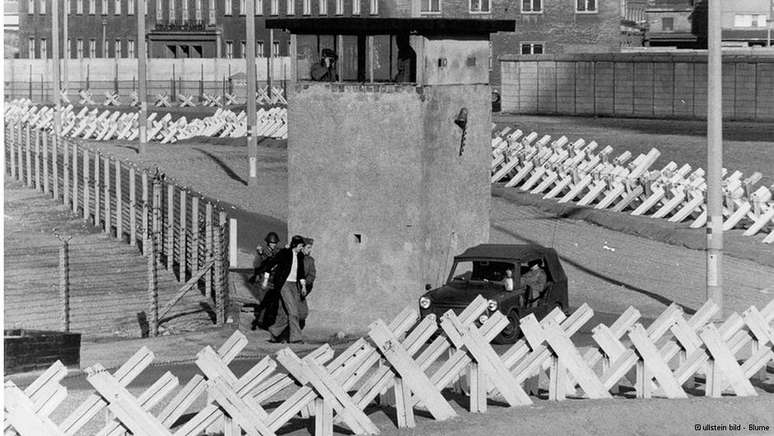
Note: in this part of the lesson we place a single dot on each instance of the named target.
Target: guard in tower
(325, 70)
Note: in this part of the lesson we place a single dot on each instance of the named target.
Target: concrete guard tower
(390, 178)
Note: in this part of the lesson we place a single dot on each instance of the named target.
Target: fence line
(405, 359)
(92, 184)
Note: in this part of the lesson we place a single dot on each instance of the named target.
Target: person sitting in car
(535, 280)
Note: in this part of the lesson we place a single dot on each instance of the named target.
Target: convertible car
(496, 272)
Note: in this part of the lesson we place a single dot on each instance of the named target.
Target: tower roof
(380, 26)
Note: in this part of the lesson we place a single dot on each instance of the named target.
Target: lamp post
(142, 93)
(714, 157)
(252, 147)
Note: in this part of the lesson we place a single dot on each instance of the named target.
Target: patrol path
(108, 278)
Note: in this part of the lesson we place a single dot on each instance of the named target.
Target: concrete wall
(102, 74)
(383, 162)
(636, 85)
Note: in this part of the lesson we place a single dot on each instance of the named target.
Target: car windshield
(480, 270)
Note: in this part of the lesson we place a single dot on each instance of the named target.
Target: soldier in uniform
(325, 70)
(263, 252)
(266, 312)
(310, 273)
(535, 281)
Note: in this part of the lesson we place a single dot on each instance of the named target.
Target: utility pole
(142, 93)
(714, 157)
(55, 68)
(252, 147)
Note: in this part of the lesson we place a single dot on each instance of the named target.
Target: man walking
(310, 274)
(263, 252)
(289, 279)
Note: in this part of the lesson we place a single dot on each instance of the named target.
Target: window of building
(227, 7)
(275, 49)
(259, 7)
(117, 49)
(528, 48)
(211, 12)
(104, 7)
(42, 7)
(105, 49)
(242, 7)
(323, 7)
(31, 48)
(79, 7)
(431, 6)
(586, 6)
(92, 7)
(67, 49)
(130, 49)
(130, 7)
(171, 11)
(198, 11)
(291, 7)
(307, 7)
(339, 7)
(79, 48)
(229, 49)
(532, 6)
(355, 7)
(67, 7)
(159, 11)
(184, 11)
(749, 20)
(43, 48)
(243, 49)
(374, 7)
(667, 24)
(30, 6)
(117, 7)
(259, 49)
(92, 48)
(479, 6)
(274, 7)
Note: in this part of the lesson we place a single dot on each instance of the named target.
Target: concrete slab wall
(376, 177)
(655, 85)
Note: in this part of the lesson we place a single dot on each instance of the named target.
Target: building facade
(670, 23)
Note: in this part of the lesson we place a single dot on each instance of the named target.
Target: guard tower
(388, 156)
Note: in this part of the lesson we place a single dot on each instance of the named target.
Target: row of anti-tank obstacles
(414, 360)
(268, 95)
(118, 125)
(579, 171)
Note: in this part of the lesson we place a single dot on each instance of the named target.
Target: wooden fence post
(45, 161)
(20, 153)
(169, 226)
(220, 297)
(108, 221)
(145, 229)
(66, 174)
(86, 186)
(10, 144)
(132, 207)
(37, 160)
(119, 212)
(194, 234)
(232, 243)
(55, 166)
(28, 155)
(97, 170)
(75, 177)
(208, 234)
(156, 212)
(181, 256)
(64, 282)
(153, 289)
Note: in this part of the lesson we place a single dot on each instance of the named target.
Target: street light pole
(252, 146)
(55, 68)
(142, 122)
(714, 157)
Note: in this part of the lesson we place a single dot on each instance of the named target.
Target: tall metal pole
(65, 40)
(252, 147)
(714, 158)
(55, 67)
(270, 72)
(143, 119)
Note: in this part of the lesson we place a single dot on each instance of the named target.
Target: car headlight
(491, 305)
(482, 319)
(424, 302)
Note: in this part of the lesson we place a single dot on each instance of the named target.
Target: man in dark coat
(266, 312)
(325, 70)
(535, 281)
(289, 279)
(311, 273)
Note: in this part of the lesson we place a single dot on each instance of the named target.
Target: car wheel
(512, 332)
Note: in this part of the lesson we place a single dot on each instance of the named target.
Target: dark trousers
(287, 315)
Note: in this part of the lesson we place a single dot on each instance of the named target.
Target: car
(481, 270)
